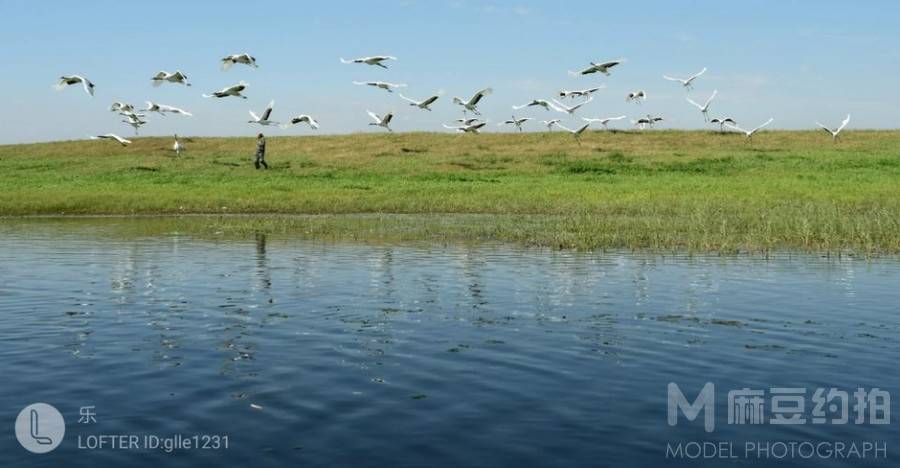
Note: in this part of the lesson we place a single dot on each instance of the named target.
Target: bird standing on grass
(177, 147)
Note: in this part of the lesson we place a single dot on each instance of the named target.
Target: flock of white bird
(466, 124)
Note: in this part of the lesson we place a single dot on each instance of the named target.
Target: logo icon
(40, 428)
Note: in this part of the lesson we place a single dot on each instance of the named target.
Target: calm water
(423, 355)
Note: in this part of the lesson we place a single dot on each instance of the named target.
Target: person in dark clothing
(260, 152)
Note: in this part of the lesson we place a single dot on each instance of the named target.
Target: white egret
(518, 122)
(177, 147)
(749, 133)
(536, 102)
(264, 118)
(550, 123)
(112, 136)
(722, 121)
(704, 109)
(389, 87)
(835, 133)
(687, 82)
(303, 118)
(636, 96)
(75, 79)
(603, 121)
(560, 107)
(162, 109)
(381, 121)
(420, 104)
(472, 103)
(575, 133)
(473, 127)
(374, 60)
(234, 90)
(580, 92)
(598, 67)
(177, 78)
(245, 59)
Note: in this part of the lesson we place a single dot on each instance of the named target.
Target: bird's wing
(254, 116)
(582, 129)
(564, 127)
(735, 127)
(88, 86)
(374, 116)
(451, 128)
(825, 128)
(672, 79)
(844, 123)
(388, 117)
(520, 107)
(558, 106)
(343, 60)
(693, 77)
(715, 92)
(698, 106)
(361, 83)
(408, 99)
(617, 118)
(771, 119)
(313, 123)
(430, 100)
(480, 94)
(268, 111)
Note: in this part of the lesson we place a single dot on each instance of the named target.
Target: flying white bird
(75, 79)
(230, 91)
(112, 136)
(134, 120)
(598, 67)
(580, 92)
(603, 121)
(246, 59)
(381, 121)
(536, 102)
(177, 77)
(177, 147)
(645, 122)
(704, 109)
(722, 121)
(264, 118)
(750, 133)
(636, 96)
(550, 123)
(374, 60)
(560, 107)
(420, 104)
(835, 133)
(472, 127)
(472, 103)
(686, 82)
(303, 118)
(575, 133)
(517, 122)
(162, 109)
(119, 106)
(389, 87)
(468, 121)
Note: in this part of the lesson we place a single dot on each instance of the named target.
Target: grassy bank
(659, 190)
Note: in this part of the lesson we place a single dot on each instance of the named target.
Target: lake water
(426, 355)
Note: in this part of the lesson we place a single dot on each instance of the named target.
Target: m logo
(705, 401)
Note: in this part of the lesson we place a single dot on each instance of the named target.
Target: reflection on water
(422, 354)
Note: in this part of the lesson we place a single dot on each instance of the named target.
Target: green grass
(666, 190)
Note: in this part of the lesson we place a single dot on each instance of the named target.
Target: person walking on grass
(260, 152)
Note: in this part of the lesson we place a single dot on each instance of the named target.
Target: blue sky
(797, 61)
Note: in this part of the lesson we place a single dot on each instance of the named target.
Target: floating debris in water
(418, 396)
(256, 407)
